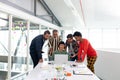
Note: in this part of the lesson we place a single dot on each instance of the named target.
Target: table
(48, 72)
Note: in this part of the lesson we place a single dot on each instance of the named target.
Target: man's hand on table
(40, 60)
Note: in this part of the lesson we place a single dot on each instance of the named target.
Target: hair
(70, 36)
(55, 30)
(46, 32)
(61, 42)
(77, 34)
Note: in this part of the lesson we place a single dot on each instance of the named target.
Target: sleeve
(79, 53)
(66, 45)
(85, 49)
(50, 42)
(86, 45)
(38, 47)
(76, 47)
(32, 48)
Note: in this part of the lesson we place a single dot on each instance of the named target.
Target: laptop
(61, 58)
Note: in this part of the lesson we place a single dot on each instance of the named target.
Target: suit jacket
(36, 49)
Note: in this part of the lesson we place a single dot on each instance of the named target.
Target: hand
(79, 61)
(73, 56)
(40, 60)
(50, 51)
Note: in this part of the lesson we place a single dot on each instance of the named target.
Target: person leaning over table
(53, 44)
(36, 47)
(61, 48)
(72, 47)
(85, 49)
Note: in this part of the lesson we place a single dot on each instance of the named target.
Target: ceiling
(86, 13)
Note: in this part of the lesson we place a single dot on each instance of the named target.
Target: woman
(85, 48)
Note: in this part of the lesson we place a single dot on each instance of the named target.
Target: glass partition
(4, 33)
(16, 35)
(20, 76)
(43, 28)
(19, 46)
(34, 31)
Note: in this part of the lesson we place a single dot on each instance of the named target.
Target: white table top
(48, 72)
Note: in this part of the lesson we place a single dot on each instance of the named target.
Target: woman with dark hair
(85, 49)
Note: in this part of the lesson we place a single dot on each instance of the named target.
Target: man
(36, 47)
(53, 44)
(85, 49)
(72, 47)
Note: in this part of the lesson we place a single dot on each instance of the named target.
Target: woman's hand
(79, 61)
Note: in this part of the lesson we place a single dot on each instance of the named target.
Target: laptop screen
(61, 58)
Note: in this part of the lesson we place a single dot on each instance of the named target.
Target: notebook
(61, 58)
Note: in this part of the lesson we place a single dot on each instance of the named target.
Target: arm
(32, 49)
(75, 47)
(50, 46)
(66, 46)
(84, 49)
(38, 47)
(50, 42)
(34, 52)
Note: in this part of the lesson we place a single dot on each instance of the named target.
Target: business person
(53, 44)
(72, 47)
(36, 47)
(85, 48)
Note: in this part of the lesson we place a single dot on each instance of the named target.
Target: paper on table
(81, 66)
(83, 71)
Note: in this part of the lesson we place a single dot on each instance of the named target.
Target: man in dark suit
(36, 47)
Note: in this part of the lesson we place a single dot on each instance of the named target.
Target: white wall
(100, 38)
(107, 65)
